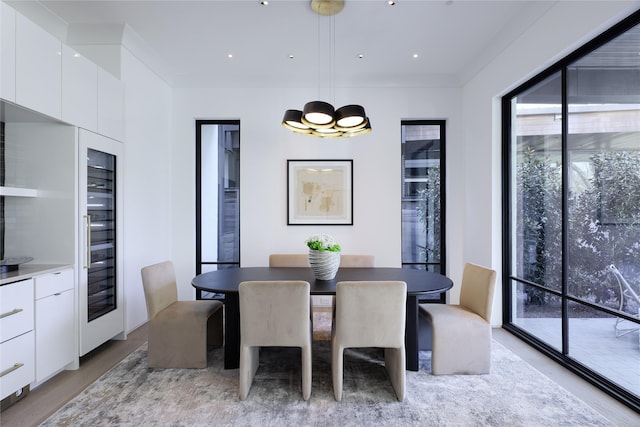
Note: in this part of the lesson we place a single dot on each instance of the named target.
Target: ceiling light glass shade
(292, 120)
(360, 131)
(318, 114)
(327, 132)
(350, 116)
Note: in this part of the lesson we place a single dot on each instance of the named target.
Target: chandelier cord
(319, 58)
(320, 118)
(332, 63)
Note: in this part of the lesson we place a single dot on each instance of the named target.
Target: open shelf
(18, 192)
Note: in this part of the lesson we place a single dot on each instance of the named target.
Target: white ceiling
(192, 39)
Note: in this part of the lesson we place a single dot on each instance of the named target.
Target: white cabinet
(7, 53)
(41, 73)
(54, 325)
(79, 90)
(16, 337)
(38, 68)
(110, 106)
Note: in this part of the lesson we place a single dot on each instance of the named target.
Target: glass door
(100, 218)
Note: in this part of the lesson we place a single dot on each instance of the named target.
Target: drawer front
(55, 338)
(17, 366)
(16, 309)
(54, 283)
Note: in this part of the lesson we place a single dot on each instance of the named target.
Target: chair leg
(306, 371)
(395, 364)
(337, 360)
(249, 361)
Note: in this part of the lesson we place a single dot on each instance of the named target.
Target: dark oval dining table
(226, 281)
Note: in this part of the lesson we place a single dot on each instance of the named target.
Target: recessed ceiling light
(391, 3)
(291, 56)
(230, 55)
(264, 3)
(360, 55)
(415, 55)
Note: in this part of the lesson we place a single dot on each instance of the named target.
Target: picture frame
(319, 192)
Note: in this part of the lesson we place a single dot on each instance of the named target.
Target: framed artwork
(319, 192)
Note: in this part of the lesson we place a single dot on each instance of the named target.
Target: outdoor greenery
(603, 221)
(428, 212)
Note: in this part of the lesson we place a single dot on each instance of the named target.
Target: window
(217, 195)
(423, 143)
(572, 251)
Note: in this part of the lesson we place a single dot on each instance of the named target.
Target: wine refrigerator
(101, 299)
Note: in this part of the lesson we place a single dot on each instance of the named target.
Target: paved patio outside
(593, 342)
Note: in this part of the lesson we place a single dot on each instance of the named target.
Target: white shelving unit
(18, 192)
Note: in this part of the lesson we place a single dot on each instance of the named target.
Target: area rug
(514, 394)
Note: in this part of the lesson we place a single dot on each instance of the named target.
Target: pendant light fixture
(320, 118)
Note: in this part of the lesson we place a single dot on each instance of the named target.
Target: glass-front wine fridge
(101, 281)
(101, 299)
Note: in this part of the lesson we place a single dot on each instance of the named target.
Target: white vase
(324, 264)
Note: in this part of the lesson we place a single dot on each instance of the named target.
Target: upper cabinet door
(38, 68)
(7, 53)
(79, 90)
(110, 106)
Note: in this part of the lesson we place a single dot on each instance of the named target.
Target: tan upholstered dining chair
(357, 261)
(462, 333)
(302, 260)
(274, 314)
(179, 331)
(361, 320)
(289, 260)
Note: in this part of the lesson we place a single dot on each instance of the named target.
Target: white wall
(265, 148)
(160, 157)
(473, 154)
(565, 27)
(160, 219)
(148, 182)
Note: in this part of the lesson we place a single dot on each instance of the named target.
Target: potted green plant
(324, 256)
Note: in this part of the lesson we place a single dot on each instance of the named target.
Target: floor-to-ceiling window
(572, 209)
(217, 195)
(423, 148)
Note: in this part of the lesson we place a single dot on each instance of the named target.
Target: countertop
(27, 271)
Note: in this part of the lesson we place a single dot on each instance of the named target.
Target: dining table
(226, 281)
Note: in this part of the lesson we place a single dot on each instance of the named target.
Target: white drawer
(54, 283)
(17, 366)
(16, 309)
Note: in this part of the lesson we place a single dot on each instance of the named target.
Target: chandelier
(320, 118)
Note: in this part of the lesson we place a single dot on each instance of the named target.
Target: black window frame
(198, 177)
(561, 357)
(442, 124)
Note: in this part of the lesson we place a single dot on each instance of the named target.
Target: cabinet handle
(88, 260)
(11, 369)
(11, 313)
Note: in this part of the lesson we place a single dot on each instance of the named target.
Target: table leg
(411, 333)
(231, 331)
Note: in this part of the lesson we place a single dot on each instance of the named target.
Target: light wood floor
(43, 401)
